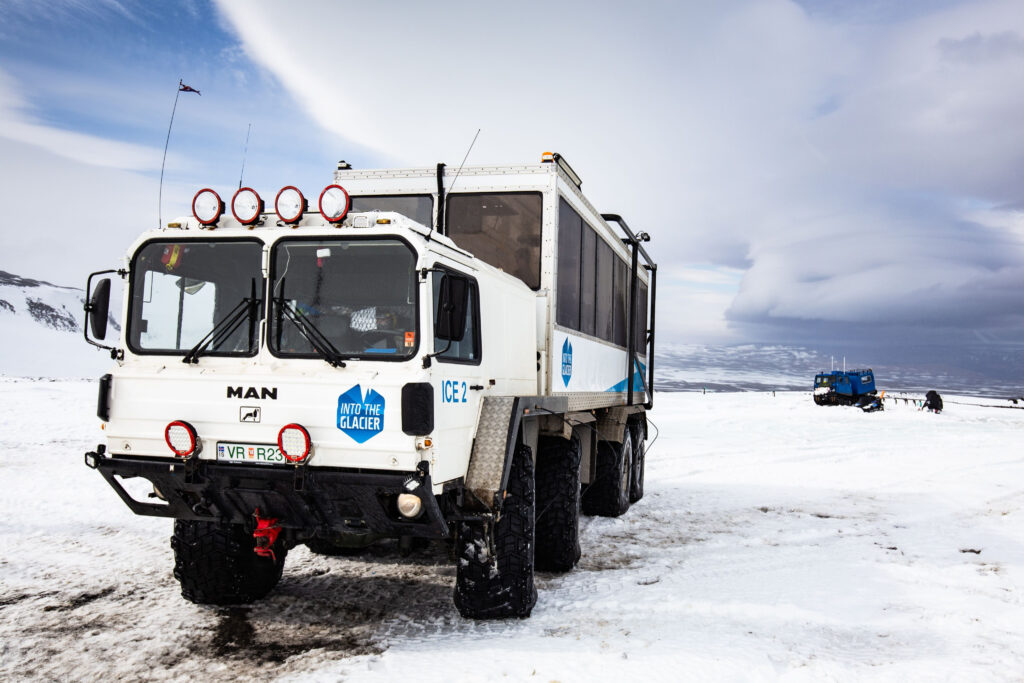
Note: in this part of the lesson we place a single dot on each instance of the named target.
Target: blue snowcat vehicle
(847, 388)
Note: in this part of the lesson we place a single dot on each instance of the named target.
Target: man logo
(252, 392)
(249, 414)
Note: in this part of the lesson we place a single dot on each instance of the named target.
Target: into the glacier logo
(566, 361)
(359, 416)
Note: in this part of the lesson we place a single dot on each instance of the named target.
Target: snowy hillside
(41, 326)
(777, 540)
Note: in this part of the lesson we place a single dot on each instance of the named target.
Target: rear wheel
(216, 564)
(494, 575)
(608, 494)
(636, 479)
(558, 504)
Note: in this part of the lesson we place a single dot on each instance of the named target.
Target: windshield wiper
(225, 327)
(317, 339)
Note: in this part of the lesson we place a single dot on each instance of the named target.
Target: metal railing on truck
(633, 241)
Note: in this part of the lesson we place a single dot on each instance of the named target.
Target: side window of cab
(465, 349)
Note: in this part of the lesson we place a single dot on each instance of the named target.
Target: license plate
(258, 453)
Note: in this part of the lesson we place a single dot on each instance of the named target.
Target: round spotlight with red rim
(181, 439)
(290, 204)
(294, 442)
(334, 203)
(207, 206)
(246, 206)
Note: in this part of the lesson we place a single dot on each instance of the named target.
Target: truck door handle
(476, 387)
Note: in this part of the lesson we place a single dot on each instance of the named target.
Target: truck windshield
(181, 290)
(359, 294)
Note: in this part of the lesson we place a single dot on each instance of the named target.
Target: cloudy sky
(808, 170)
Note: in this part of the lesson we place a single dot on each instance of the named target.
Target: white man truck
(421, 355)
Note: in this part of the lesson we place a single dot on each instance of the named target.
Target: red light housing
(337, 205)
(246, 206)
(290, 204)
(207, 206)
(181, 439)
(294, 442)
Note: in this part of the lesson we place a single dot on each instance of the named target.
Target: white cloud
(828, 160)
(18, 125)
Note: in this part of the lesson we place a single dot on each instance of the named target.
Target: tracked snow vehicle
(842, 387)
(411, 360)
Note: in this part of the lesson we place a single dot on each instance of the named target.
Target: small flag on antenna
(188, 88)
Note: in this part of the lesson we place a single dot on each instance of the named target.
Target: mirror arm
(451, 321)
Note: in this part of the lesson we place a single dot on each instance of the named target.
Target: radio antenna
(160, 199)
(439, 220)
(464, 160)
(244, 153)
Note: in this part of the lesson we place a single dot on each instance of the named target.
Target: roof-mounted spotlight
(334, 203)
(246, 206)
(207, 207)
(290, 204)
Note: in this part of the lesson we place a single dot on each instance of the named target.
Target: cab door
(458, 371)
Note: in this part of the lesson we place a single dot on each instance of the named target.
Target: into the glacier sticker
(566, 361)
(361, 416)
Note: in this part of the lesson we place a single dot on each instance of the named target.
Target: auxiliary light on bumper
(294, 442)
(181, 439)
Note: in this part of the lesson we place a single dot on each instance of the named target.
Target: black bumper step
(315, 500)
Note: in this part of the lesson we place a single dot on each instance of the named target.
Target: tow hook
(265, 535)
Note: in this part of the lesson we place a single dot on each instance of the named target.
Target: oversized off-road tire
(637, 464)
(494, 575)
(558, 504)
(608, 494)
(216, 565)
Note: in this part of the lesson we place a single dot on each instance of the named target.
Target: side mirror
(99, 308)
(450, 321)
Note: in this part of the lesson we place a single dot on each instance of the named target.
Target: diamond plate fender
(495, 434)
(497, 431)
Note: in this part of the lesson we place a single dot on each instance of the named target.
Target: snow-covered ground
(777, 540)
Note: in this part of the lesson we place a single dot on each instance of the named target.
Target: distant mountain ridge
(41, 308)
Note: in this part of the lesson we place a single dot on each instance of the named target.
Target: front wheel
(216, 564)
(494, 575)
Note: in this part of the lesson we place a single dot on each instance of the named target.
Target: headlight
(246, 206)
(290, 204)
(207, 206)
(334, 203)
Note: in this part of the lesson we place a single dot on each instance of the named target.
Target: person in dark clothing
(933, 402)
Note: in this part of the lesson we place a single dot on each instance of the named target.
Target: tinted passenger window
(588, 284)
(606, 262)
(502, 229)
(568, 292)
(621, 301)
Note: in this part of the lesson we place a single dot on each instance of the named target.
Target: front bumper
(310, 500)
